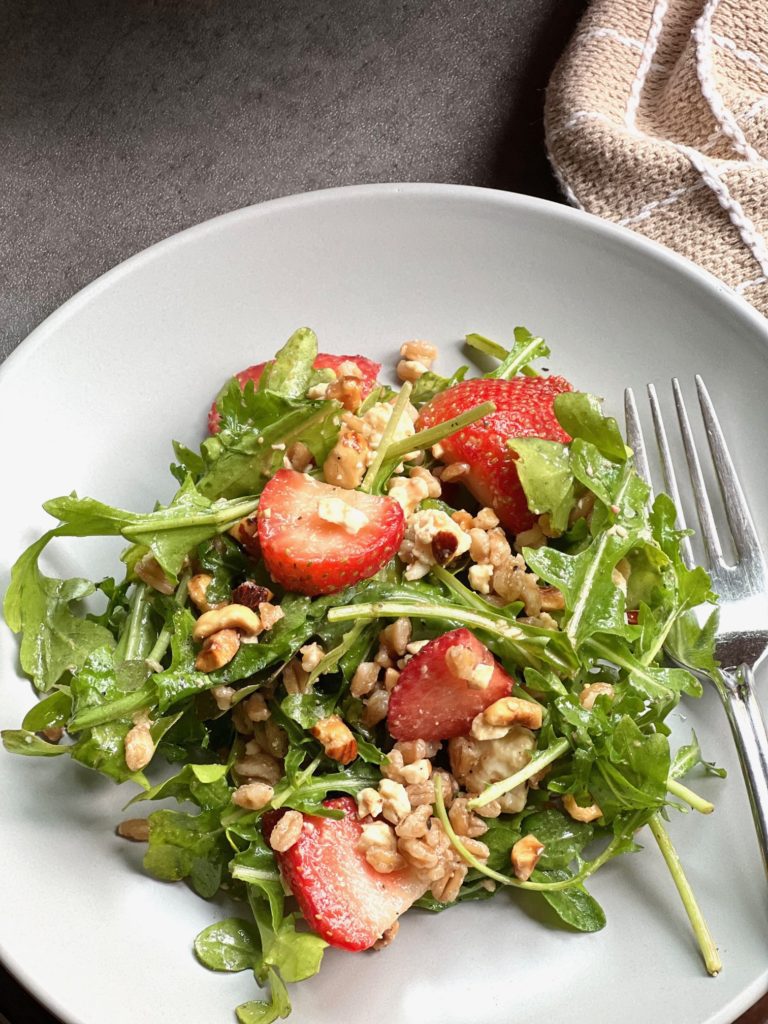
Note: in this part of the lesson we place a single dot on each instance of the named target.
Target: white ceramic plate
(91, 400)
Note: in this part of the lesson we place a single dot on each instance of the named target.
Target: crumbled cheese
(349, 369)
(374, 422)
(480, 577)
(334, 510)
(318, 390)
(421, 530)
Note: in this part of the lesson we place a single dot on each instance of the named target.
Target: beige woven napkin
(657, 119)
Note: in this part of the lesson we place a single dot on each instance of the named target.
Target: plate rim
(598, 227)
(515, 200)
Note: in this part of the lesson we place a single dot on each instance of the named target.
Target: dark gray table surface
(124, 122)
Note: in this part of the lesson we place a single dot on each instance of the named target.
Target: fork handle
(749, 733)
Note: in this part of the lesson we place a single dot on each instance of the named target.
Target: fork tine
(736, 508)
(669, 473)
(635, 436)
(703, 506)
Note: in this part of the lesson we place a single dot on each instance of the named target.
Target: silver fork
(741, 638)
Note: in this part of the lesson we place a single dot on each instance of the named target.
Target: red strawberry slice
(524, 408)
(431, 702)
(340, 895)
(324, 361)
(312, 555)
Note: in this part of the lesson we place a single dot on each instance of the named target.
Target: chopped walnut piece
(196, 588)
(256, 764)
(395, 800)
(223, 696)
(286, 831)
(514, 711)
(525, 856)
(364, 679)
(376, 707)
(447, 888)
(579, 813)
(218, 650)
(311, 656)
(270, 614)
(369, 802)
(149, 571)
(336, 739)
(253, 796)
(139, 747)
(378, 844)
(464, 822)
(592, 691)
(298, 457)
(346, 464)
(396, 636)
(346, 390)
(256, 708)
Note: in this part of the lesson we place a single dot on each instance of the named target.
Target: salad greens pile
(97, 670)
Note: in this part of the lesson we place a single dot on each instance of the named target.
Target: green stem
(700, 929)
(329, 661)
(396, 415)
(133, 633)
(698, 803)
(396, 609)
(498, 626)
(223, 518)
(483, 344)
(600, 650)
(589, 868)
(164, 636)
(538, 761)
(518, 359)
(120, 708)
(426, 438)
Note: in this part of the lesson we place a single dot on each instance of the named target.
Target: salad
(386, 648)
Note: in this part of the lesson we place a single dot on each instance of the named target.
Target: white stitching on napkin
(648, 53)
(741, 288)
(751, 237)
(645, 211)
(748, 56)
(604, 32)
(702, 35)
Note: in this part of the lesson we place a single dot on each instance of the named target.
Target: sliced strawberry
(324, 361)
(431, 702)
(340, 895)
(312, 555)
(524, 408)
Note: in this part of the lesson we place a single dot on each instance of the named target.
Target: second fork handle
(749, 733)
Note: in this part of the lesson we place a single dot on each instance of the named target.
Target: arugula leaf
(290, 371)
(189, 846)
(573, 905)
(21, 741)
(580, 415)
(564, 839)
(431, 384)
(544, 469)
(231, 945)
(53, 710)
(260, 1012)
(689, 756)
(525, 350)
(203, 784)
(170, 532)
(241, 463)
(54, 640)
